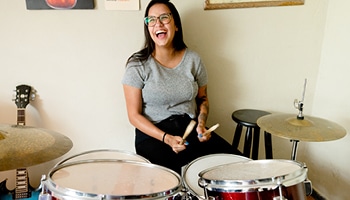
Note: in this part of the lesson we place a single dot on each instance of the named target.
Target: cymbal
(310, 129)
(24, 146)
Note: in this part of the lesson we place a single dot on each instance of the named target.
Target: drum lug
(44, 195)
(308, 187)
(182, 195)
(280, 197)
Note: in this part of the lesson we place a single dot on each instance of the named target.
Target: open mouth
(161, 34)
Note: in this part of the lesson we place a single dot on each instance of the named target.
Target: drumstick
(188, 130)
(211, 129)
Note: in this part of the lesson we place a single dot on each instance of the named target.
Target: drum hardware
(44, 195)
(308, 187)
(299, 105)
(186, 194)
(206, 195)
(294, 149)
(281, 197)
(308, 190)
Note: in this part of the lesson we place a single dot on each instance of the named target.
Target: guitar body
(3, 188)
(9, 197)
(23, 189)
(6, 194)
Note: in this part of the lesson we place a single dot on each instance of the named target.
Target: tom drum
(190, 172)
(255, 180)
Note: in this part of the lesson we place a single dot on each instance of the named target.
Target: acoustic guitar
(23, 190)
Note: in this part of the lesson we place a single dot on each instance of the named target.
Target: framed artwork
(59, 4)
(225, 4)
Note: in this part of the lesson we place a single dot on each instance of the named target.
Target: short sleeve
(133, 75)
(202, 76)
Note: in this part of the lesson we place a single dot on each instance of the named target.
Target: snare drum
(255, 180)
(191, 171)
(111, 179)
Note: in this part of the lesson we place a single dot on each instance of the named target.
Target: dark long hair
(149, 45)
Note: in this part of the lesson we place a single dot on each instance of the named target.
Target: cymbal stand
(299, 105)
(294, 149)
(300, 116)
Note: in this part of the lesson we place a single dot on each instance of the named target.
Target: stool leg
(256, 138)
(247, 142)
(268, 145)
(237, 136)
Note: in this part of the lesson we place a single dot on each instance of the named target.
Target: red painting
(59, 4)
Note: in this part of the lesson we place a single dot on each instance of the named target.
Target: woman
(165, 86)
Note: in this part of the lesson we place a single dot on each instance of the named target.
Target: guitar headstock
(23, 94)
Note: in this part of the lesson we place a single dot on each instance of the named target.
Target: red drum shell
(255, 180)
(295, 192)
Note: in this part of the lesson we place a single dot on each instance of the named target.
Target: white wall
(256, 58)
(329, 161)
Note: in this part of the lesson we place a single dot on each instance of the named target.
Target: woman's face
(162, 34)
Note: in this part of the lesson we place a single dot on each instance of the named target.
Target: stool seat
(248, 118)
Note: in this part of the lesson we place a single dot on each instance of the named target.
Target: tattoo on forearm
(202, 118)
(203, 109)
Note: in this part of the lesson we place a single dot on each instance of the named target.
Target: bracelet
(164, 137)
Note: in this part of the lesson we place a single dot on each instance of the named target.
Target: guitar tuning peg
(14, 94)
(32, 96)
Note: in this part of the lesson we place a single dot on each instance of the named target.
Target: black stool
(248, 118)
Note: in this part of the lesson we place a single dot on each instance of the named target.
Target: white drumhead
(112, 178)
(191, 171)
(255, 173)
(104, 154)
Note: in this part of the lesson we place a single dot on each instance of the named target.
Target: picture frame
(226, 4)
(59, 4)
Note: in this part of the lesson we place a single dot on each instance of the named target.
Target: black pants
(160, 153)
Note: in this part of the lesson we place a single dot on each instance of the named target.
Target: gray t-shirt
(166, 91)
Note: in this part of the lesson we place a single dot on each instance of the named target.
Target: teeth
(158, 32)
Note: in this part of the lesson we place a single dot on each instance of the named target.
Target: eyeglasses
(152, 20)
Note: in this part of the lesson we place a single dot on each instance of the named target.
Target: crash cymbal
(310, 129)
(24, 146)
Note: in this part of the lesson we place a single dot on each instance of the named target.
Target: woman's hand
(200, 130)
(175, 143)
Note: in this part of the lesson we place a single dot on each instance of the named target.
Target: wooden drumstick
(211, 129)
(188, 130)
